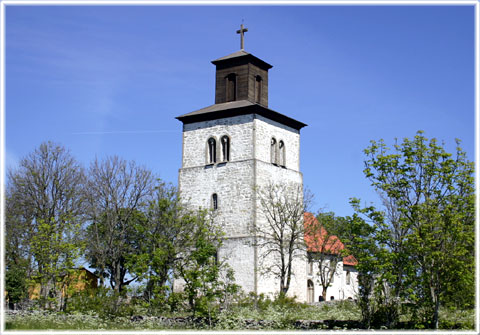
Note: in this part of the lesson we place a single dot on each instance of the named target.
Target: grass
(269, 316)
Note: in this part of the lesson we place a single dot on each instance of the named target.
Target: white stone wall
(234, 183)
(196, 135)
(267, 174)
(239, 253)
(270, 285)
(339, 289)
(265, 129)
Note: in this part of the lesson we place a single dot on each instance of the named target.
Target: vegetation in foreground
(415, 251)
(272, 315)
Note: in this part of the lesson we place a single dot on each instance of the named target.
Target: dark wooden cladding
(246, 70)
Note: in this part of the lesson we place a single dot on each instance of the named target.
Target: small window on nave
(310, 267)
(214, 201)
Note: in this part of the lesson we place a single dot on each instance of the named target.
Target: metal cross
(241, 31)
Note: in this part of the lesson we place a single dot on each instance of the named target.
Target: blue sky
(105, 80)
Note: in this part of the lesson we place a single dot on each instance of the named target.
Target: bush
(104, 303)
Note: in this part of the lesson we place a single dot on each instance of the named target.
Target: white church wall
(269, 283)
(265, 129)
(268, 173)
(339, 289)
(350, 290)
(239, 254)
(196, 135)
(233, 184)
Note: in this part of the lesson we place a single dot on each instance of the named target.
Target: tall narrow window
(281, 153)
(231, 86)
(348, 278)
(273, 151)
(212, 151)
(258, 89)
(214, 201)
(225, 148)
(310, 267)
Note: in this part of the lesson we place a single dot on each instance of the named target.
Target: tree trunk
(324, 293)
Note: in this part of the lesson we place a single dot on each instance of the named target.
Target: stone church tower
(230, 149)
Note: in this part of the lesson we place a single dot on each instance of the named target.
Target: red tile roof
(315, 239)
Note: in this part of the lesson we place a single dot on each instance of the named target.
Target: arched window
(231, 86)
(212, 150)
(348, 278)
(332, 298)
(281, 153)
(225, 148)
(258, 89)
(214, 201)
(273, 151)
(310, 291)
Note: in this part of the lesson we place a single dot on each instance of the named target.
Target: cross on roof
(241, 31)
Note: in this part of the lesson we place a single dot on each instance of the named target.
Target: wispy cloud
(11, 159)
(123, 132)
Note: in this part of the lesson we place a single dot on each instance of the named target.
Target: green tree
(164, 235)
(44, 217)
(428, 194)
(364, 239)
(117, 193)
(207, 278)
(15, 283)
(279, 234)
(18, 257)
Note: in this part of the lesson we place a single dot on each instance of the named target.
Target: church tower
(232, 148)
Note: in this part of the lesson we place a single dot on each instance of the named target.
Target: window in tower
(281, 153)
(225, 148)
(212, 151)
(273, 151)
(347, 279)
(214, 201)
(231, 86)
(258, 89)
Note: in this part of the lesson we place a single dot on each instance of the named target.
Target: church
(234, 147)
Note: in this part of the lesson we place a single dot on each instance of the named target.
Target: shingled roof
(235, 108)
(315, 240)
(243, 56)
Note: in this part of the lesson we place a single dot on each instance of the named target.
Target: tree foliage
(427, 225)
(281, 237)
(117, 191)
(44, 216)
(207, 278)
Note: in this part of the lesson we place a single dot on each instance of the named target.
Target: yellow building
(79, 280)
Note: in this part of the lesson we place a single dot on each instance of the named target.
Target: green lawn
(237, 317)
